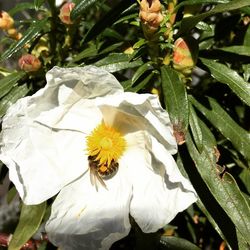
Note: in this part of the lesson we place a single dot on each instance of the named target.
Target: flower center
(105, 144)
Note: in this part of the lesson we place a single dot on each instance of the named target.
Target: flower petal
(131, 112)
(69, 96)
(41, 161)
(84, 218)
(159, 190)
(36, 152)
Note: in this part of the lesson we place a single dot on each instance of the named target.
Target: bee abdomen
(108, 171)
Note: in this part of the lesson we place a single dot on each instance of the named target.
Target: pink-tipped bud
(6, 21)
(185, 54)
(29, 63)
(65, 13)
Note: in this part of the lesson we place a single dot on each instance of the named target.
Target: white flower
(49, 138)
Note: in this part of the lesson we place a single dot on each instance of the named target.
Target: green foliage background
(208, 103)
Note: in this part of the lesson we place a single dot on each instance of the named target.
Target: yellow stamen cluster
(106, 144)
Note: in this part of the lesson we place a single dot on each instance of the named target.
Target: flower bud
(14, 34)
(6, 21)
(29, 63)
(185, 54)
(150, 15)
(65, 13)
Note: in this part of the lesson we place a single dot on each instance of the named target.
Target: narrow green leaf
(81, 7)
(20, 7)
(38, 4)
(195, 128)
(175, 97)
(142, 84)
(230, 77)
(140, 71)
(177, 243)
(189, 22)
(223, 187)
(127, 18)
(11, 194)
(118, 61)
(239, 137)
(88, 52)
(247, 37)
(240, 50)
(7, 83)
(15, 94)
(110, 48)
(210, 218)
(31, 33)
(108, 32)
(245, 178)
(241, 243)
(30, 220)
(108, 19)
(193, 2)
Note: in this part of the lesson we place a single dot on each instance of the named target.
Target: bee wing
(101, 181)
(95, 179)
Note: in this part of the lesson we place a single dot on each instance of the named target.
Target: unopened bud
(29, 63)
(6, 21)
(129, 51)
(150, 14)
(185, 54)
(65, 13)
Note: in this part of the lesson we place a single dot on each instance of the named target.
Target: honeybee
(101, 172)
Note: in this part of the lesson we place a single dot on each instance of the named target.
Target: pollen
(106, 144)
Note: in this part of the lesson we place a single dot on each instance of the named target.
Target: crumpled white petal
(37, 143)
(130, 112)
(82, 218)
(159, 189)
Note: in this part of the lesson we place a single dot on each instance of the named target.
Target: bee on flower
(105, 153)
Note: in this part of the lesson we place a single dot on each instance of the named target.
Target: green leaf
(88, 52)
(81, 7)
(7, 83)
(241, 243)
(33, 31)
(175, 97)
(239, 137)
(193, 2)
(107, 20)
(110, 48)
(240, 50)
(177, 243)
(11, 194)
(117, 61)
(247, 37)
(16, 93)
(20, 7)
(245, 178)
(142, 84)
(195, 128)
(30, 220)
(38, 4)
(140, 71)
(230, 77)
(223, 187)
(189, 22)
